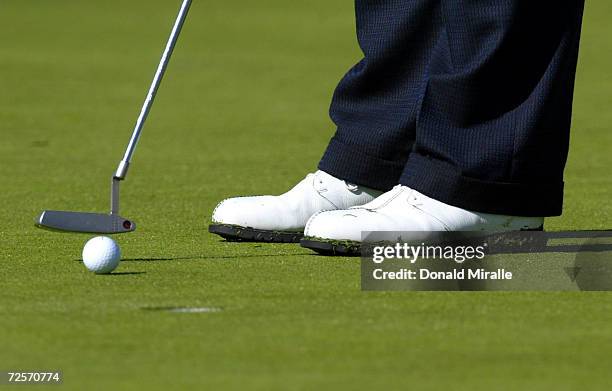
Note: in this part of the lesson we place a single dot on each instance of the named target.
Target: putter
(113, 223)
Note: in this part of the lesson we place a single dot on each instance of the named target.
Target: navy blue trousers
(466, 101)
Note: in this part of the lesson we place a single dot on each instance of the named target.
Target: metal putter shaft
(113, 223)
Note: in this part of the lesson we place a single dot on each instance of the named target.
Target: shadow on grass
(124, 273)
(202, 257)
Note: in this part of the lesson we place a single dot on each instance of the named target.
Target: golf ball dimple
(101, 255)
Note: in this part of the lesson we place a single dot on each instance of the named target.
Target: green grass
(243, 110)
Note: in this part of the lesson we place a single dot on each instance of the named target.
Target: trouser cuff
(349, 163)
(443, 182)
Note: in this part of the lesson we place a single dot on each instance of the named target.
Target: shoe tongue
(383, 198)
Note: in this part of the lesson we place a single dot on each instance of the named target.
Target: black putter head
(98, 223)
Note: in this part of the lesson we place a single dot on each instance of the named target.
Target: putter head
(98, 223)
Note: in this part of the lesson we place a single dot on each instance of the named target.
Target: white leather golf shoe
(401, 210)
(283, 218)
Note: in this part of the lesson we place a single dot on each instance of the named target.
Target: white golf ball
(101, 255)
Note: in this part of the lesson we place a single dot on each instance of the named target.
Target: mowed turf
(243, 110)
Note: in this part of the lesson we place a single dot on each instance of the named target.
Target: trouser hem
(351, 164)
(443, 182)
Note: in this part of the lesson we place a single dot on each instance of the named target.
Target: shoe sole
(346, 248)
(236, 233)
